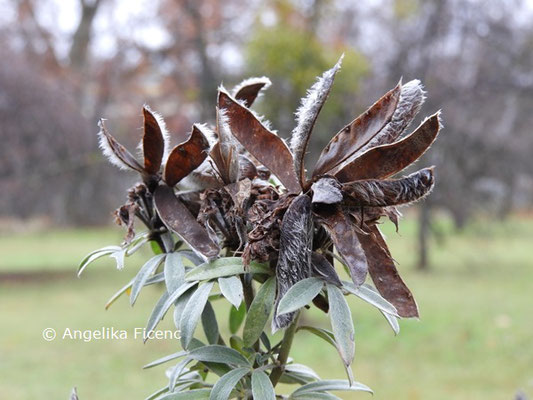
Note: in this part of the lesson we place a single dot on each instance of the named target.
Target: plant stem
(284, 351)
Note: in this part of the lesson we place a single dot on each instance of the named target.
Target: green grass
(474, 339)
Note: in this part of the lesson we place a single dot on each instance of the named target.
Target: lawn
(474, 339)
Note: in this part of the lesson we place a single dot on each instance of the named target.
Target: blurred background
(465, 251)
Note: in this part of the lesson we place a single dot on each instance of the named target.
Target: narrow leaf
(224, 386)
(179, 219)
(209, 323)
(186, 157)
(232, 290)
(227, 266)
(264, 145)
(321, 333)
(174, 271)
(262, 387)
(393, 322)
(371, 296)
(384, 161)
(385, 275)
(177, 371)
(331, 384)
(315, 396)
(165, 359)
(142, 276)
(162, 306)
(95, 255)
(196, 394)
(179, 306)
(356, 134)
(259, 312)
(236, 316)
(153, 143)
(299, 295)
(193, 311)
(219, 354)
(341, 324)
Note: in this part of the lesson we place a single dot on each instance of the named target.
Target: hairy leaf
(193, 311)
(390, 192)
(259, 312)
(219, 354)
(179, 219)
(315, 396)
(371, 296)
(262, 387)
(356, 134)
(341, 324)
(209, 323)
(224, 386)
(248, 90)
(307, 115)
(142, 276)
(231, 289)
(226, 266)
(331, 384)
(294, 260)
(186, 157)
(344, 237)
(95, 255)
(299, 295)
(179, 306)
(264, 145)
(323, 334)
(195, 394)
(174, 271)
(165, 359)
(393, 322)
(153, 143)
(385, 275)
(384, 161)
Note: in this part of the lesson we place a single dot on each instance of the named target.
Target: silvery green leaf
(262, 387)
(321, 333)
(165, 359)
(299, 295)
(176, 372)
(371, 296)
(259, 311)
(95, 255)
(315, 396)
(196, 394)
(163, 305)
(231, 288)
(224, 386)
(331, 384)
(341, 324)
(193, 311)
(158, 393)
(179, 305)
(393, 322)
(143, 275)
(219, 354)
(174, 271)
(209, 323)
(227, 266)
(119, 258)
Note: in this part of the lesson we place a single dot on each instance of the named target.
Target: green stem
(284, 350)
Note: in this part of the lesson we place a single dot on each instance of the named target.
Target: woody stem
(284, 350)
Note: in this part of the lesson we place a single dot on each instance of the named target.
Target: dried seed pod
(392, 192)
(294, 260)
(153, 143)
(249, 89)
